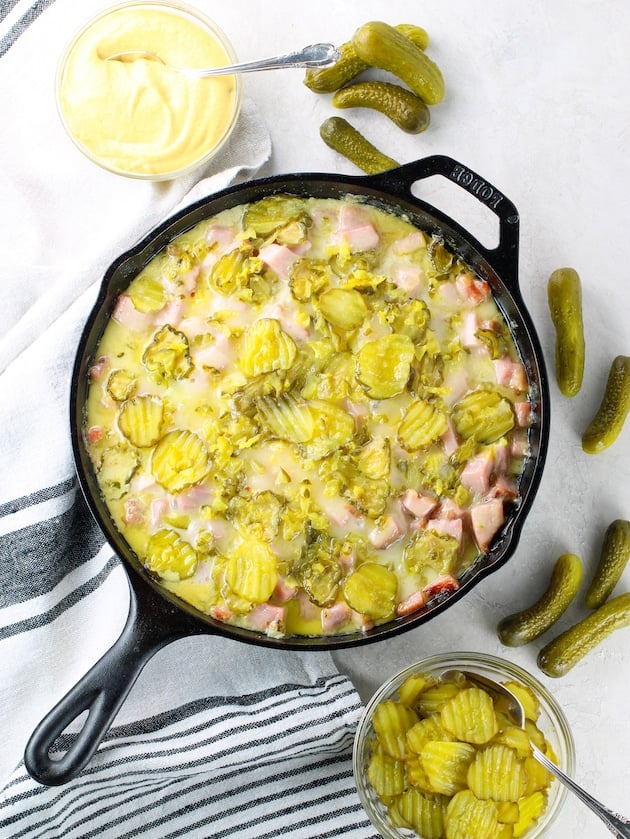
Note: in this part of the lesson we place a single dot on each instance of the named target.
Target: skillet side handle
(503, 258)
(150, 625)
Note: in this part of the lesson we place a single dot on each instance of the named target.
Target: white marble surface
(538, 103)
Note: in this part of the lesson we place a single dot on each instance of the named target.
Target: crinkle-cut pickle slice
(446, 763)
(470, 716)
(423, 812)
(168, 355)
(169, 556)
(118, 465)
(343, 307)
(383, 365)
(386, 774)
(180, 460)
(497, 773)
(391, 722)
(429, 728)
(140, 420)
(371, 590)
(266, 347)
(467, 817)
(483, 414)
(424, 422)
(288, 417)
(251, 571)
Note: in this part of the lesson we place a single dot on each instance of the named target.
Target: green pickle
(383, 46)
(349, 65)
(607, 423)
(565, 651)
(564, 292)
(528, 624)
(404, 108)
(614, 558)
(343, 138)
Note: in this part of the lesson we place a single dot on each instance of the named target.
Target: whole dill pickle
(525, 626)
(349, 65)
(564, 652)
(403, 107)
(342, 137)
(607, 423)
(614, 558)
(383, 46)
(564, 292)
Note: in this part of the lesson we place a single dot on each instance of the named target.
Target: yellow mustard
(140, 117)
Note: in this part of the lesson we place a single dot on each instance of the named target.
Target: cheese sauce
(306, 416)
(140, 117)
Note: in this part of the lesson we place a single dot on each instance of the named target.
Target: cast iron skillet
(156, 617)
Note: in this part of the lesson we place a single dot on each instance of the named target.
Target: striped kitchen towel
(216, 738)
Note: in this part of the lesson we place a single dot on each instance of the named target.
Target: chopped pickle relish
(307, 417)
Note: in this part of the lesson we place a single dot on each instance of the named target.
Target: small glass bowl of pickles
(440, 758)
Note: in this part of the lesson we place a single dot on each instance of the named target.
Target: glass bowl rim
(174, 6)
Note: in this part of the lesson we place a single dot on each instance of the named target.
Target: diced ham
(420, 506)
(409, 278)
(450, 441)
(220, 613)
(486, 518)
(447, 583)
(267, 618)
(476, 473)
(361, 238)
(408, 244)
(308, 610)
(503, 488)
(450, 510)
(359, 410)
(340, 512)
(279, 258)
(216, 355)
(193, 498)
(393, 529)
(94, 434)
(467, 333)
(447, 527)
(355, 229)
(158, 509)
(222, 236)
(284, 590)
(133, 511)
(171, 313)
(519, 445)
(411, 604)
(501, 457)
(99, 368)
(336, 617)
(471, 288)
(127, 314)
(523, 412)
(510, 374)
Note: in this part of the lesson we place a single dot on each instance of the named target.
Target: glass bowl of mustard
(432, 781)
(141, 119)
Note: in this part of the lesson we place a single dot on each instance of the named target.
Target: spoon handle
(315, 55)
(618, 825)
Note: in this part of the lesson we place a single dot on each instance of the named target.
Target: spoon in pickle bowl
(315, 55)
(618, 825)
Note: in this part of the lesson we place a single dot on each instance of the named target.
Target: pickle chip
(384, 365)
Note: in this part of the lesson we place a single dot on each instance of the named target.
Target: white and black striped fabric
(216, 738)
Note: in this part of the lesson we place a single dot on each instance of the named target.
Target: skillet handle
(151, 624)
(503, 258)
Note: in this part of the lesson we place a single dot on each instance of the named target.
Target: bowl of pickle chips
(437, 756)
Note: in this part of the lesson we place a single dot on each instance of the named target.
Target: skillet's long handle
(503, 258)
(151, 624)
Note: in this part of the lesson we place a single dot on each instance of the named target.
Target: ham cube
(448, 527)
(127, 314)
(279, 258)
(486, 519)
(408, 244)
(523, 412)
(267, 618)
(476, 474)
(419, 506)
(471, 288)
(510, 374)
(411, 604)
(336, 617)
(392, 530)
